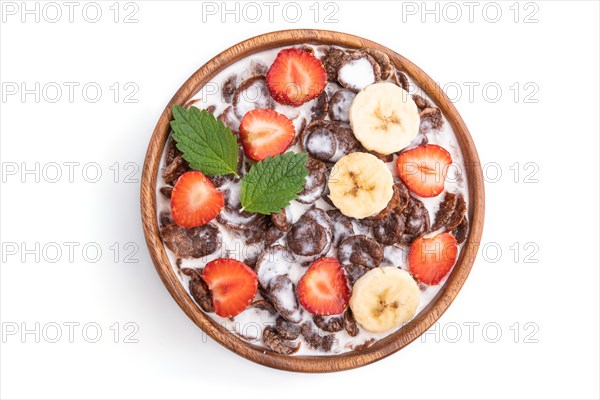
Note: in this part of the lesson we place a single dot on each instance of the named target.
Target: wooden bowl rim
(382, 348)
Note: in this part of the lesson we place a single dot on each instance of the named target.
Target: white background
(554, 301)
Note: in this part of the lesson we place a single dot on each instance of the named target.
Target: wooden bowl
(382, 348)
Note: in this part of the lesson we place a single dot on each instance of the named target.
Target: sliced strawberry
(232, 285)
(296, 77)
(265, 133)
(195, 200)
(430, 259)
(323, 290)
(424, 168)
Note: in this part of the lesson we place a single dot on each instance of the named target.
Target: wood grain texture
(382, 348)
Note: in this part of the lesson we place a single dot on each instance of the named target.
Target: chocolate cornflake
(229, 88)
(258, 68)
(272, 235)
(403, 196)
(332, 60)
(251, 260)
(306, 48)
(299, 130)
(400, 79)
(164, 219)
(229, 119)
(329, 324)
(315, 181)
(331, 88)
(307, 238)
(175, 169)
(259, 96)
(431, 118)
(280, 220)
(319, 110)
(461, 231)
(282, 294)
(276, 343)
(220, 180)
(417, 220)
(342, 226)
(166, 191)
(417, 217)
(268, 263)
(261, 289)
(350, 323)
(389, 230)
(191, 242)
(257, 231)
(311, 234)
(361, 250)
(199, 289)
(346, 141)
(339, 105)
(364, 345)
(407, 239)
(445, 211)
(363, 226)
(354, 272)
(349, 61)
(171, 151)
(286, 329)
(264, 305)
(387, 67)
(316, 341)
(421, 102)
(459, 213)
(318, 140)
(328, 141)
(326, 192)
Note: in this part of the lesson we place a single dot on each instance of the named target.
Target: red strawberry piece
(424, 168)
(323, 290)
(430, 259)
(232, 285)
(195, 201)
(296, 77)
(265, 133)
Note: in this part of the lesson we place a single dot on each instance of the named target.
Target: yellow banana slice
(360, 185)
(384, 298)
(384, 118)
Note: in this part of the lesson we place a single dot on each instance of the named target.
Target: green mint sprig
(206, 143)
(274, 182)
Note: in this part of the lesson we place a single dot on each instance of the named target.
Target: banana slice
(360, 185)
(384, 118)
(384, 298)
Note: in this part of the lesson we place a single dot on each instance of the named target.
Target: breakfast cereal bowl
(306, 277)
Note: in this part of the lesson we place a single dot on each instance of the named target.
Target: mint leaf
(207, 144)
(272, 183)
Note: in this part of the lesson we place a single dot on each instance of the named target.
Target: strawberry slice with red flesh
(232, 285)
(424, 169)
(296, 77)
(264, 133)
(195, 201)
(430, 259)
(323, 290)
